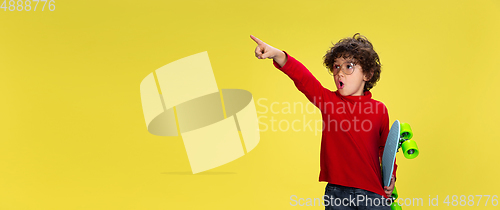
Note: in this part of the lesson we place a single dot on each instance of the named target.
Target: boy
(355, 127)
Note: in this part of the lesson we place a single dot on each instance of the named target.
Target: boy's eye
(336, 66)
(350, 66)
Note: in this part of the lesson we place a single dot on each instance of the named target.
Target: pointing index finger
(258, 41)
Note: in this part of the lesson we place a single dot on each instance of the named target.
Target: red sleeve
(384, 132)
(303, 79)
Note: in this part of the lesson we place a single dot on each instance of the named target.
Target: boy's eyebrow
(346, 61)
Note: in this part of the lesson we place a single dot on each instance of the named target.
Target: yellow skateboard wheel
(406, 132)
(394, 193)
(395, 206)
(410, 149)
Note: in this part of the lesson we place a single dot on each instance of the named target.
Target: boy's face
(352, 84)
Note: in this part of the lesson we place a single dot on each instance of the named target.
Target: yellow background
(72, 131)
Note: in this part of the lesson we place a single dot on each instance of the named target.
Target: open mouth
(341, 84)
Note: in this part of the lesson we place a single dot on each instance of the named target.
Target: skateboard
(399, 136)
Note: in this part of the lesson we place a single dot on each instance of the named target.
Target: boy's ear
(368, 76)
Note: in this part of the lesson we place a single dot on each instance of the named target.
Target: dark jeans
(342, 198)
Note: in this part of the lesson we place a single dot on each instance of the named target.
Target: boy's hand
(388, 190)
(263, 51)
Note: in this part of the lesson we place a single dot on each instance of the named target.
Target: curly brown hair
(361, 51)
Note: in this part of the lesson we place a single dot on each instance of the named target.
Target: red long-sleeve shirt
(355, 129)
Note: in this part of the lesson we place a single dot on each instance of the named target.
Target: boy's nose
(341, 73)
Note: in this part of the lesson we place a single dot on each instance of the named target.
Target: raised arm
(263, 51)
(301, 76)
